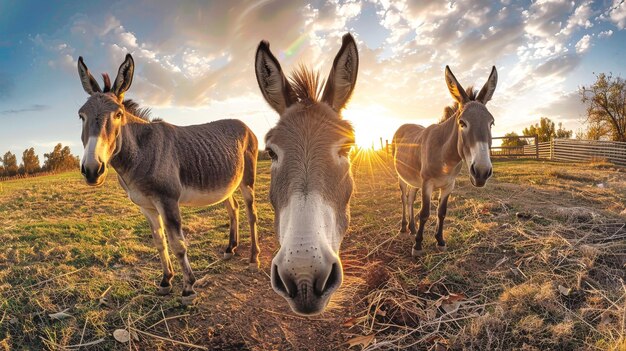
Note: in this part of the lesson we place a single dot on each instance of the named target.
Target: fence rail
(583, 150)
(529, 150)
(570, 150)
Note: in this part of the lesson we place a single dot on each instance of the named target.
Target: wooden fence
(24, 176)
(573, 150)
(529, 150)
(569, 150)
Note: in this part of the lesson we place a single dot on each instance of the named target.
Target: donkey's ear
(486, 92)
(272, 82)
(124, 77)
(456, 90)
(87, 80)
(342, 77)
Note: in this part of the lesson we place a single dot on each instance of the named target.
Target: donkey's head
(474, 122)
(103, 116)
(311, 182)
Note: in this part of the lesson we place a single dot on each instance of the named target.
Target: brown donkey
(162, 166)
(430, 158)
(311, 182)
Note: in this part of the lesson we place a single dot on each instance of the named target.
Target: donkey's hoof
(403, 230)
(188, 300)
(417, 253)
(164, 290)
(442, 248)
(253, 267)
(228, 255)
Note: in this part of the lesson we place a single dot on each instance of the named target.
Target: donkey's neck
(450, 145)
(129, 149)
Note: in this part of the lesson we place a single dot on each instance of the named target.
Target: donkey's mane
(307, 85)
(107, 83)
(142, 112)
(451, 110)
(131, 106)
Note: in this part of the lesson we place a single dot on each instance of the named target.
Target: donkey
(311, 181)
(430, 158)
(162, 166)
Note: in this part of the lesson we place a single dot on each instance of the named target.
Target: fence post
(537, 146)
(551, 149)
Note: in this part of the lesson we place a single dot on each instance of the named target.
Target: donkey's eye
(344, 150)
(118, 115)
(81, 118)
(271, 154)
(492, 124)
(463, 124)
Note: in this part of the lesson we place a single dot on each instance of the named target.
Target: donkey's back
(217, 150)
(204, 158)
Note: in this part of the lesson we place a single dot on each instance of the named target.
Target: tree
(512, 139)
(10, 164)
(606, 105)
(594, 131)
(563, 133)
(546, 130)
(30, 161)
(60, 159)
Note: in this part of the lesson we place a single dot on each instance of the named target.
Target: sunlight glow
(372, 123)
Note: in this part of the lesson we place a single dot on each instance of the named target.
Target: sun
(371, 124)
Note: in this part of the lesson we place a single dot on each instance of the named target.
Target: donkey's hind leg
(233, 213)
(170, 212)
(158, 236)
(403, 196)
(247, 190)
(248, 197)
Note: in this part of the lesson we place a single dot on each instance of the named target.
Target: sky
(194, 59)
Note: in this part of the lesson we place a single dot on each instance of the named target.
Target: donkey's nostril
(83, 171)
(286, 287)
(101, 169)
(472, 170)
(331, 282)
(490, 173)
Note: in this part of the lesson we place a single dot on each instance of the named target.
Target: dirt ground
(535, 261)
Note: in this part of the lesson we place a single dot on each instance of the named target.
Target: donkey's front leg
(158, 236)
(427, 190)
(170, 213)
(442, 209)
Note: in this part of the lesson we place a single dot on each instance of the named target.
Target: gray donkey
(311, 182)
(162, 166)
(431, 158)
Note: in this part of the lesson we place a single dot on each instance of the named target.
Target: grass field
(535, 261)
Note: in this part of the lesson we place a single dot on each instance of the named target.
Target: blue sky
(194, 60)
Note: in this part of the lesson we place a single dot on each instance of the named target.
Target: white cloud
(579, 19)
(192, 59)
(583, 44)
(617, 13)
(605, 34)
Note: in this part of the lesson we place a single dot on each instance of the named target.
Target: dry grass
(536, 261)
(550, 279)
